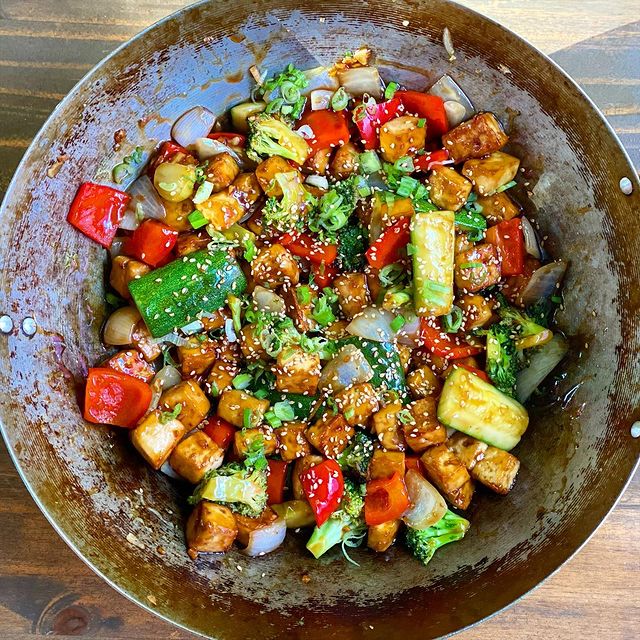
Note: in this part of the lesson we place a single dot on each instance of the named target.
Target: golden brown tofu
(404, 353)
(301, 465)
(247, 184)
(498, 207)
(318, 162)
(385, 463)
(444, 469)
(223, 209)
(462, 243)
(292, 442)
(330, 435)
(346, 161)
(266, 173)
(490, 173)
(337, 330)
(297, 371)
(381, 536)
(477, 311)
(425, 430)
(353, 293)
(477, 268)
(250, 345)
(123, 271)
(467, 449)
(400, 136)
(211, 528)
(475, 138)
(195, 455)
(128, 361)
(221, 376)
(245, 437)
(214, 320)
(156, 436)
(195, 404)
(177, 214)
(141, 339)
(300, 301)
(389, 212)
(246, 525)
(221, 171)
(497, 470)
(423, 382)
(448, 189)
(197, 356)
(275, 266)
(388, 428)
(357, 403)
(189, 242)
(232, 406)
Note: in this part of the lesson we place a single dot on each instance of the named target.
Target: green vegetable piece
(197, 220)
(301, 405)
(424, 543)
(353, 243)
(502, 363)
(356, 457)
(269, 136)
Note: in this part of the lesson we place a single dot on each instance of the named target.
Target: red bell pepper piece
(426, 106)
(231, 139)
(323, 274)
(323, 485)
(220, 431)
(413, 462)
(330, 128)
(132, 363)
(427, 161)
(97, 211)
(152, 242)
(508, 237)
(443, 344)
(276, 479)
(385, 250)
(305, 246)
(386, 499)
(113, 397)
(167, 152)
(479, 372)
(369, 119)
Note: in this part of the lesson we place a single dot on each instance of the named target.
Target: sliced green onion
(434, 291)
(241, 381)
(303, 294)
(290, 93)
(422, 122)
(404, 164)
(121, 172)
(197, 220)
(470, 265)
(556, 299)
(470, 221)
(370, 162)
(284, 411)
(349, 413)
(411, 249)
(405, 416)
(274, 106)
(504, 187)
(452, 322)
(261, 394)
(250, 250)
(247, 418)
(391, 274)
(397, 323)
(203, 192)
(390, 91)
(339, 100)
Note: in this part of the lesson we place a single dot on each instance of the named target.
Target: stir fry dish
(327, 311)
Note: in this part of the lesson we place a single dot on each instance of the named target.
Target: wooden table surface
(44, 589)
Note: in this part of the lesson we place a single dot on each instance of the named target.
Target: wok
(126, 521)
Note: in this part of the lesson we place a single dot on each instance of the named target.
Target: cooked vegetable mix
(329, 311)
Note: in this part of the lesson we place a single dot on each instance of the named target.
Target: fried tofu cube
(346, 161)
(132, 363)
(297, 371)
(404, 353)
(462, 243)
(477, 311)
(292, 442)
(211, 528)
(385, 463)
(156, 436)
(244, 438)
(195, 455)
(423, 382)
(477, 268)
(300, 302)
(497, 470)
(195, 404)
(176, 214)
(425, 430)
(481, 135)
(337, 330)
(250, 345)
(223, 209)
(221, 376)
(330, 435)
(301, 465)
(197, 355)
(221, 171)
(123, 271)
(444, 469)
(266, 173)
(275, 266)
(498, 207)
(357, 403)
(400, 136)
(490, 173)
(249, 187)
(381, 536)
(448, 189)
(353, 293)
(467, 449)
(247, 526)
(189, 242)
(234, 403)
(141, 339)
(318, 162)
(389, 212)
(388, 428)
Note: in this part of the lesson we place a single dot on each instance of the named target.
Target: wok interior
(127, 520)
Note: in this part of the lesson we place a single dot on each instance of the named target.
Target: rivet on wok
(635, 429)
(6, 324)
(29, 327)
(626, 186)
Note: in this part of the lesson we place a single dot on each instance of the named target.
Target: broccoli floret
(502, 361)
(424, 543)
(289, 212)
(345, 525)
(240, 486)
(525, 324)
(335, 208)
(354, 241)
(543, 311)
(357, 455)
(269, 136)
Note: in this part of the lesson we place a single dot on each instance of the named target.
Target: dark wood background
(45, 47)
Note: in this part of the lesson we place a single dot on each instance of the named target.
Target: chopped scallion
(390, 91)
(241, 381)
(197, 220)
